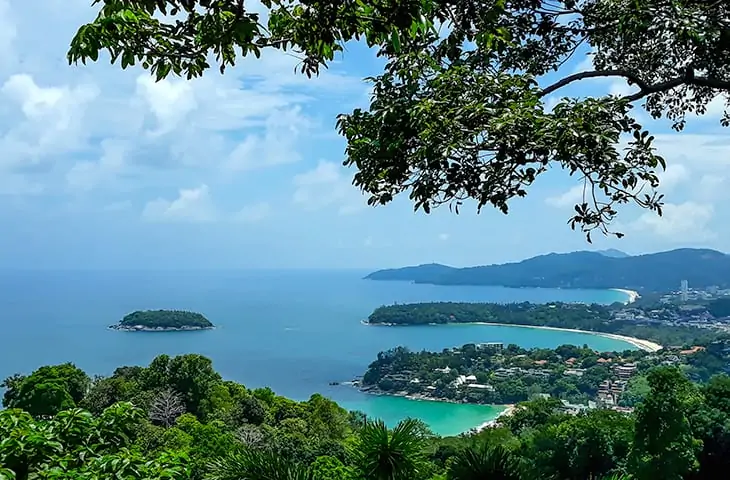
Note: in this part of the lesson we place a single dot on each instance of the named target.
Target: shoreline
(508, 408)
(646, 345)
(633, 294)
(508, 411)
(136, 328)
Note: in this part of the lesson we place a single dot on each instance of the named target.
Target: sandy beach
(509, 410)
(633, 295)
(647, 345)
(642, 344)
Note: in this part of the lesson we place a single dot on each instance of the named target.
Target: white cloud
(86, 175)
(277, 146)
(685, 222)
(52, 121)
(253, 213)
(169, 100)
(325, 186)
(673, 176)
(568, 198)
(191, 205)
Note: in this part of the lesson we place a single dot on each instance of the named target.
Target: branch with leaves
(462, 116)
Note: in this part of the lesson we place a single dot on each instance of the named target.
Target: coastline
(139, 328)
(632, 294)
(507, 409)
(642, 344)
(646, 345)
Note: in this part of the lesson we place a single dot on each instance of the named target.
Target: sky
(105, 169)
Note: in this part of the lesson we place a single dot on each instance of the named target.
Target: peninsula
(494, 373)
(655, 272)
(162, 321)
(643, 330)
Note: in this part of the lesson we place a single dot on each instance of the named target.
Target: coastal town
(693, 334)
(494, 373)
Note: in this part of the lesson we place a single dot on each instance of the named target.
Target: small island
(162, 321)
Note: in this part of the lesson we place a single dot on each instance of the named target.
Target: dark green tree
(48, 390)
(74, 444)
(493, 462)
(383, 454)
(664, 446)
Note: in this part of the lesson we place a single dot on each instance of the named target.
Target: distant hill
(612, 252)
(655, 272)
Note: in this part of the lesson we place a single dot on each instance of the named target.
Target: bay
(295, 331)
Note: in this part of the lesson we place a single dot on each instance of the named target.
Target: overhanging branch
(644, 88)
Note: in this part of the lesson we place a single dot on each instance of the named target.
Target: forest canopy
(464, 109)
(178, 419)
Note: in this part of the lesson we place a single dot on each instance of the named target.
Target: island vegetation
(163, 320)
(178, 419)
(655, 272)
(492, 373)
(579, 316)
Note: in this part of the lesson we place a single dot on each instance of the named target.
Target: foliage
(579, 447)
(485, 461)
(383, 454)
(47, 391)
(681, 430)
(593, 318)
(74, 444)
(654, 272)
(664, 446)
(169, 319)
(461, 113)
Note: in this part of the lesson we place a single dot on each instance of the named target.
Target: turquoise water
(294, 331)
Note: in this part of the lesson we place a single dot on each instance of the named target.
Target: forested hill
(655, 272)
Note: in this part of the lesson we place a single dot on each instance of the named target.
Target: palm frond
(484, 462)
(254, 464)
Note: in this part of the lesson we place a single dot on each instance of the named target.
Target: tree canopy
(679, 429)
(461, 109)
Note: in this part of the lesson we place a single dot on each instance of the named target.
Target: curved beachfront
(647, 345)
(632, 294)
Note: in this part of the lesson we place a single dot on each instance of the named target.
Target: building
(684, 290)
(479, 386)
(625, 371)
(494, 346)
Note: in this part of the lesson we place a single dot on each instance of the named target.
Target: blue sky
(103, 168)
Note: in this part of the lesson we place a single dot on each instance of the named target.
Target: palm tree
(253, 464)
(382, 454)
(484, 463)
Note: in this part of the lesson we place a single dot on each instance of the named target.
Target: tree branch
(594, 74)
(645, 89)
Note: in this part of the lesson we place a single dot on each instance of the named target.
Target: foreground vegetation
(592, 318)
(178, 419)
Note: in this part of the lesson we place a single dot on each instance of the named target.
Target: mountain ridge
(660, 271)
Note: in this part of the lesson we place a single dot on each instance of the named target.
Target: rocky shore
(141, 328)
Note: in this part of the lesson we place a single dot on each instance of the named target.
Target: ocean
(295, 331)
